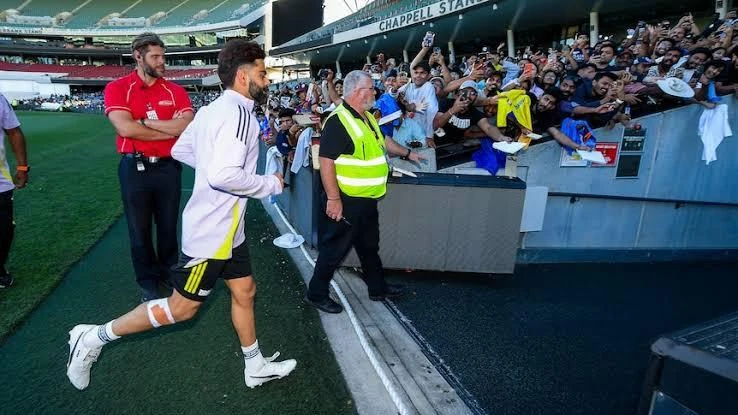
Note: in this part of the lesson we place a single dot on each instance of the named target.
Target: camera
(323, 73)
(437, 50)
(464, 95)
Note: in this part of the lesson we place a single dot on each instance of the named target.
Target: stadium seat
(161, 13)
(98, 72)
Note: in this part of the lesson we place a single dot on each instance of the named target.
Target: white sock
(252, 357)
(100, 336)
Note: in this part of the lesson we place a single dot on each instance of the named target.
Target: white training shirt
(8, 121)
(427, 94)
(222, 145)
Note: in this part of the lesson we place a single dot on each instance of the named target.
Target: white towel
(273, 161)
(713, 127)
(302, 151)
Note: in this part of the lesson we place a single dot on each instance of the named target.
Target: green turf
(71, 199)
(195, 367)
(192, 368)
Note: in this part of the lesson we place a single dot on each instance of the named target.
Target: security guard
(354, 170)
(149, 113)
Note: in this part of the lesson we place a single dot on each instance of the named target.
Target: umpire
(354, 170)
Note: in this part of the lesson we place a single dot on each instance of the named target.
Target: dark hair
(573, 78)
(675, 49)
(235, 53)
(600, 75)
(554, 92)
(142, 42)
(700, 50)
(609, 45)
(588, 65)
(286, 112)
(338, 81)
(716, 63)
(543, 74)
(423, 65)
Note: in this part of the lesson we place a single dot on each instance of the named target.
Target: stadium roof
(479, 20)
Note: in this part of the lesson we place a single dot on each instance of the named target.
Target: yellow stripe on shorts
(198, 279)
(191, 278)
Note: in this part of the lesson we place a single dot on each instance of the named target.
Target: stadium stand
(97, 72)
(126, 13)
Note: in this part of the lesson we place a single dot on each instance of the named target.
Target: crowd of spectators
(83, 102)
(93, 102)
(464, 106)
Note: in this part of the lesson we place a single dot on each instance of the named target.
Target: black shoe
(6, 280)
(390, 291)
(326, 304)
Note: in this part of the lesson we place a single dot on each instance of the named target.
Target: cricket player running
(221, 144)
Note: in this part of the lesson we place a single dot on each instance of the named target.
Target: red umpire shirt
(159, 101)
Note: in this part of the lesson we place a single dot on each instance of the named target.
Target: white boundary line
(370, 353)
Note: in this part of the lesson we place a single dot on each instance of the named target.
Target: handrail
(678, 202)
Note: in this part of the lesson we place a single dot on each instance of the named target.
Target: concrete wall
(671, 168)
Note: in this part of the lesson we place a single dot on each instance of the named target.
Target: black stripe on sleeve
(248, 127)
(239, 130)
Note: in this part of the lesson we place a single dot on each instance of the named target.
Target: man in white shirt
(420, 95)
(221, 144)
(9, 125)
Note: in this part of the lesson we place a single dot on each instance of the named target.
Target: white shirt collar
(246, 102)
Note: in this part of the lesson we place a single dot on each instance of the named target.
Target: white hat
(675, 87)
(468, 84)
(289, 240)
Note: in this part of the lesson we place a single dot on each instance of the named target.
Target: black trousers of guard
(152, 194)
(7, 227)
(335, 240)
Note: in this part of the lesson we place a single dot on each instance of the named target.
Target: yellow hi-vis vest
(363, 173)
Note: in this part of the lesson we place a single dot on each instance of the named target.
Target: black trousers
(335, 240)
(152, 194)
(7, 227)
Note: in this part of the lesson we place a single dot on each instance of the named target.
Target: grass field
(71, 199)
(73, 267)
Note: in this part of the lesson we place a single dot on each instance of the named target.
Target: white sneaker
(270, 371)
(81, 357)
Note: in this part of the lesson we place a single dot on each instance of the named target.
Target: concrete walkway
(420, 388)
